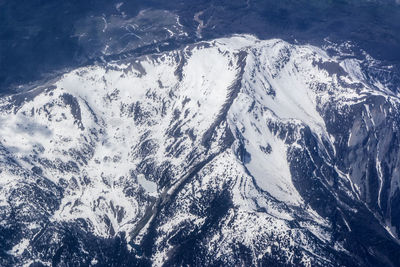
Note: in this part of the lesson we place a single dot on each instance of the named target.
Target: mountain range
(234, 151)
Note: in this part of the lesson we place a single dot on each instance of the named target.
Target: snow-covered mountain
(229, 152)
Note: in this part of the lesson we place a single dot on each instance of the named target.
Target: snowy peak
(292, 147)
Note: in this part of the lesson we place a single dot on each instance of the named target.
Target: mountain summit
(229, 152)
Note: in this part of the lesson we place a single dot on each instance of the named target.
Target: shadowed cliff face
(41, 39)
(234, 151)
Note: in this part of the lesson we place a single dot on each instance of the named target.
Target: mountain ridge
(230, 151)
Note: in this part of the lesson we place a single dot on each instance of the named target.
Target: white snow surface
(157, 108)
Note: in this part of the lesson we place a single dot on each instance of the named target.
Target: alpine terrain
(232, 151)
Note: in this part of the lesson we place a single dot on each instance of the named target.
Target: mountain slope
(228, 152)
